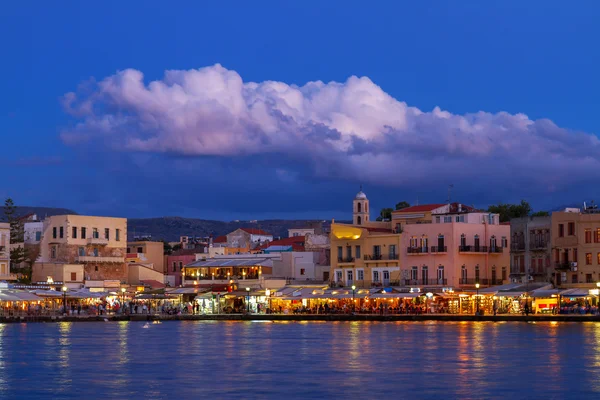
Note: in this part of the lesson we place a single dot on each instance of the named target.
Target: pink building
(452, 245)
(174, 263)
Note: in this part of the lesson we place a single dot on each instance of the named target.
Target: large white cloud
(351, 130)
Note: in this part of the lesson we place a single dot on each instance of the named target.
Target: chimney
(459, 207)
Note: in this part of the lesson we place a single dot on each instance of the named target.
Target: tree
(17, 233)
(401, 205)
(510, 211)
(167, 248)
(385, 213)
(540, 214)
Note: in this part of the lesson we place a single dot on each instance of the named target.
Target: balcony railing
(472, 249)
(439, 249)
(517, 270)
(496, 250)
(563, 265)
(423, 282)
(379, 257)
(97, 241)
(538, 246)
(417, 250)
(517, 247)
(345, 259)
(364, 284)
(93, 259)
(484, 282)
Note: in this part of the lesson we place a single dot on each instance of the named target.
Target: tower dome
(360, 196)
(360, 209)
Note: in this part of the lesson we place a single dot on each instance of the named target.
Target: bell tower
(360, 208)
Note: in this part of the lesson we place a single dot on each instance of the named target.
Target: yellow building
(365, 254)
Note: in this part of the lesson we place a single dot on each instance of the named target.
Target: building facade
(444, 245)
(147, 253)
(97, 243)
(576, 247)
(248, 238)
(5, 252)
(531, 249)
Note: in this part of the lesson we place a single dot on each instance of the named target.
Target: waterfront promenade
(309, 317)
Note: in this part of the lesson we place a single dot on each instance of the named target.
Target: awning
(405, 295)
(544, 293)
(153, 284)
(189, 290)
(224, 263)
(575, 293)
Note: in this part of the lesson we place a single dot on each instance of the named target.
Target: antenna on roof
(361, 187)
(450, 192)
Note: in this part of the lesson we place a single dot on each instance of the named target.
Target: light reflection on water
(299, 360)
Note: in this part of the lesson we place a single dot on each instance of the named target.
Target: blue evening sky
(539, 58)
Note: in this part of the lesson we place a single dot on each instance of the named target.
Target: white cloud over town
(352, 130)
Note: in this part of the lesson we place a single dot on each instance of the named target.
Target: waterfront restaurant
(226, 269)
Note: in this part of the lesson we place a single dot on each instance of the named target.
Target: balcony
(483, 282)
(496, 250)
(538, 246)
(565, 266)
(93, 260)
(423, 282)
(417, 250)
(97, 241)
(516, 270)
(517, 247)
(8, 277)
(473, 249)
(381, 257)
(342, 260)
(439, 249)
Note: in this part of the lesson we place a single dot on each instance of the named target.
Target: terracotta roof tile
(421, 208)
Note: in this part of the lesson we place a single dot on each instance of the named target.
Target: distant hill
(171, 228)
(42, 212)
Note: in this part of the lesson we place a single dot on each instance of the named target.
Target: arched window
(463, 241)
(358, 220)
(358, 207)
(366, 207)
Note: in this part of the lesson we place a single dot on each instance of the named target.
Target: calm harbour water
(124, 360)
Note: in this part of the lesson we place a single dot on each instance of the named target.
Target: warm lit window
(588, 258)
(302, 271)
(598, 258)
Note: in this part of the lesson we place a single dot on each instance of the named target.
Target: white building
(294, 232)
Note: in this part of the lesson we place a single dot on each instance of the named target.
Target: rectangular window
(504, 242)
(447, 220)
(598, 259)
(414, 273)
(503, 273)
(180, 265)
(597, 236)
(349, 252)
(95, 234)
(588, 258)
(571, 228)
(574, 278)
(117, 235)
(74, 232)
(95, 252)
(38, 236)
(338, 276)
(302, 271)
(107, 233)
(588, 278)
(376, 251)
(360, 275)
(83, 232)
(61, 232)
(54, 232)
(81, 252)
(393, 251)
(375, 276)
(349, 276)
(588, 236)
(561, 230)
(574, 255)
(437, 220)
(174, 266)
(73, 276)
(140, 249)
(440, 275)
(340, 252)
(53, 252)
(357, 252)
(425, 275)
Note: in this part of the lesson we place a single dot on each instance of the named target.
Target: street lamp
(353, 301)
(123, 295)
(477, 296)
(64, 289)
(248, 297)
